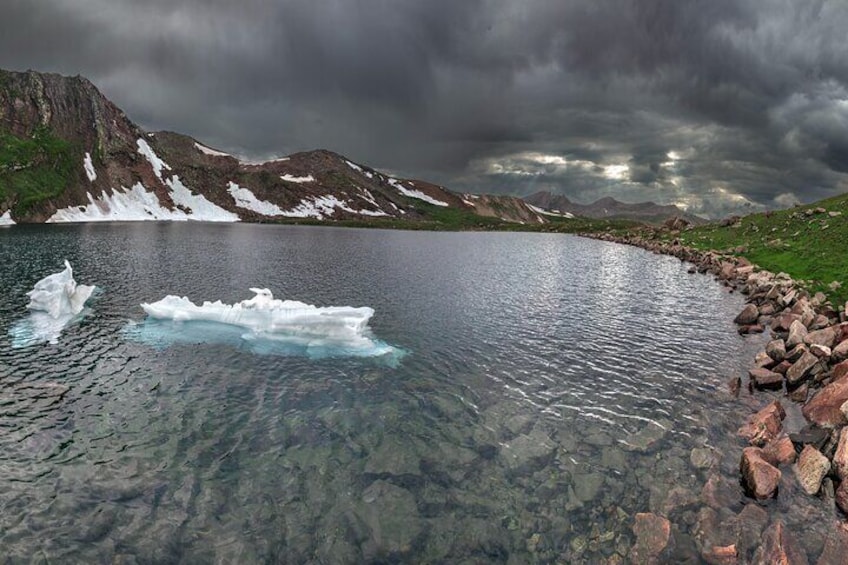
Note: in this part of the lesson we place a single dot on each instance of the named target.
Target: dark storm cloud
(716, 104)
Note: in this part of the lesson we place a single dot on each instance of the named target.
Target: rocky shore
(806, 364)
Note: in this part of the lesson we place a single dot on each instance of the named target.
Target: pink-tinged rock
(799, 394)
(840, 457)
(784, 321)
(811, 469)
(840, 352)
(767, 309)
(801, 368)
(819, 322)
(823, 409)
(776, 349)
(748, 315)
(722, 555)
(779, 547)
(796, 353)
(719, 492)
(780, 451)
(824, 337)
(763, 378)
(797, 333)
(820, 351)
(764, 360)
(781, 367)
(842, 497)
(760, 477)
(751, 329)
(652, 535)
(765, 425)
(839, 371)
(835, 550)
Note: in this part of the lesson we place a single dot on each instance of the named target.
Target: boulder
(820, 351)
(811, 434)
(823, 409)
(811, 469)
(751, 329)
(652, 535)
(797, 334)
(748, 315)
(760, 477)
(776, 349)
(763, 360)
(722, 555)
(835, 548)
(779, 547)
(799, 370)
(391, 514)
(840, 352)
(779, 451)
(819, 322)
(841, 497)
(781, 367)
(765, 379)
(765, 425)
(824, 337)
(840, 456)
(839, 371)
(784, 321)
(795, 353)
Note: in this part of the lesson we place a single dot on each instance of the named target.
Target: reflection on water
(553, 388)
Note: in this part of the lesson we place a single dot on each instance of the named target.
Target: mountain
(609, 207)
(68, 154)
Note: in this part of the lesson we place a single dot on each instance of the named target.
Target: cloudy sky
(717, 105)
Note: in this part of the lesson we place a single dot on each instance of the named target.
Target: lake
(546, 389)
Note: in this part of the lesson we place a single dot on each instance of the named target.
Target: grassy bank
(33, 169)
(810, 243)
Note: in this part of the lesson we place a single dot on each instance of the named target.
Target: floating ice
(6, 219)
(285, 327)
(55, 302)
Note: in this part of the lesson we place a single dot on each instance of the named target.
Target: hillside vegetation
(810, 243)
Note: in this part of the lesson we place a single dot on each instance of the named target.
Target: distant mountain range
(68, 154)
(609, 207)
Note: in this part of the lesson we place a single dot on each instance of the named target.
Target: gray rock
(776, 349)
(647, 438)
(702, 457)
(527, 452)
(797, 333)
(801, 368)
(392, 517)
(824, 337)
(811, 468)
(748, 315)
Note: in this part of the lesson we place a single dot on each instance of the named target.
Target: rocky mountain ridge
(68, 154)
(609, 207)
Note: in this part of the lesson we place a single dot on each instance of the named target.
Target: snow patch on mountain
(244, 198)
(6, 219)
(301, 180)
(201, 208)
(135, 204)
(538, 210)
(324, 207)
(89, 168)
(209, 151)
(415, 193)
(354, 166)
(157, 163)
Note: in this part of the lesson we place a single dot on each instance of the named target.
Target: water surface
(553, 387)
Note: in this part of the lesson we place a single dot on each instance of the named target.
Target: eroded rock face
(652, 535)
(760, 477)
(811, 469)
(765, 425)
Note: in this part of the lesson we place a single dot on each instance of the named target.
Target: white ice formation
(340, 329)
(291, 178)
(209, 151)
(89, 168)
(6, 219)
(54, 302)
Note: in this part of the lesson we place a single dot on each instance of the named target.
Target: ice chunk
(273, 325)
(6, 219)
(54, 302)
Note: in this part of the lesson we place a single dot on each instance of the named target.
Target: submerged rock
(811, 469)
(652, 535)
(764, 426)
(648, 437)
(760, 477)
(764, 378)
(780, 547)
(780, 451)
(391, 515)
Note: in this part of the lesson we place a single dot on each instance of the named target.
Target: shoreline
(805, 362)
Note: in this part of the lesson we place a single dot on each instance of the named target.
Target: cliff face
(69, 154)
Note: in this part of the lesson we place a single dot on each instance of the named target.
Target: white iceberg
(55, 302)
(273, 326)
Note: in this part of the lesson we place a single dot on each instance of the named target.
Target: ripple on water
(553, 388)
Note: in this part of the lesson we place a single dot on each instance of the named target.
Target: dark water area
(552, 388)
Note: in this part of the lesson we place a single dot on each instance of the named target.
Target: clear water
(519, 427)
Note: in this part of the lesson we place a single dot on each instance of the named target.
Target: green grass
(811, 248)
(33, 169)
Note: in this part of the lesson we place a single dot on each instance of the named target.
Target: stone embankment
(807, 361)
